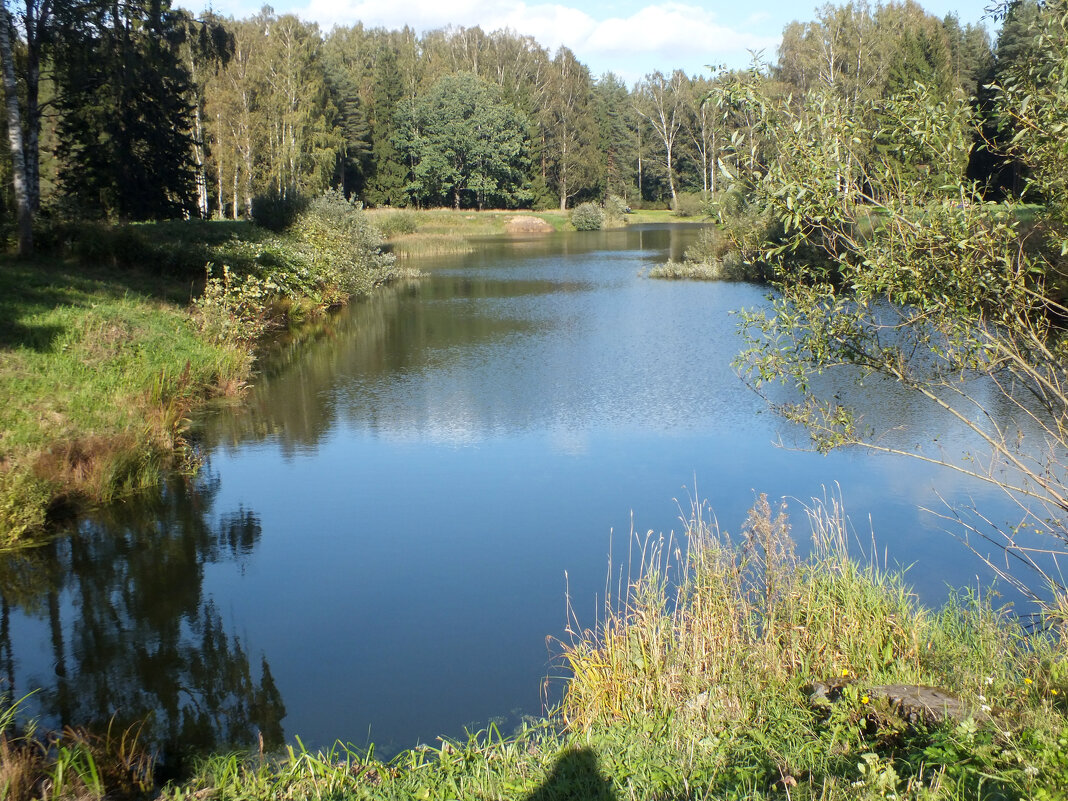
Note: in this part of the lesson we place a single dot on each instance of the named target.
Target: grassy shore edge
(111, 339)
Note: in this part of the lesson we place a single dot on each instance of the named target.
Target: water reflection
(129, 630)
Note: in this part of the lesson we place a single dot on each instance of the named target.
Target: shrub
(344, 247)
(746, 224)
(710, 246)
(275, 211)
(691, 204)
(710, 258)
(615, 211)
(233, 308)
(587, 217)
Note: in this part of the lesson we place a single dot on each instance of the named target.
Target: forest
(140, 111)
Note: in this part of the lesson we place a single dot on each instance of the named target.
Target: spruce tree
(125, 141)
(385, 187)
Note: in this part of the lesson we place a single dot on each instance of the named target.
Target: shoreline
(114, 337)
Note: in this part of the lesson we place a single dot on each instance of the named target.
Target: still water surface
(383, 538)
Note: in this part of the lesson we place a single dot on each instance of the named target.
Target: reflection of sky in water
(437, 517)
(427, 471)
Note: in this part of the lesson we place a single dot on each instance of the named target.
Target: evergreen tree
(385, 186)
(125, 140)
(616, 140)
(345, 60)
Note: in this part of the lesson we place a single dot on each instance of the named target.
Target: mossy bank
(113, 335)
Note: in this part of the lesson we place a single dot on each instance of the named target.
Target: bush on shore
(709, 258)
(587, 217)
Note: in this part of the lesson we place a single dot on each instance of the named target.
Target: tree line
(138, 110)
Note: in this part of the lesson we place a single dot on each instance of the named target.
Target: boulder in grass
(915, 703)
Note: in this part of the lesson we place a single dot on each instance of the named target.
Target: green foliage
(276, 211)
(344, 247)
(466, 146)
(745, 225)
(23, 501)
(232, 309)
(587, 217)
(1031, 99)
(691, 204)
(389, 173)
(890, 262)
(709, 258)
(124, 132)
(567, 118)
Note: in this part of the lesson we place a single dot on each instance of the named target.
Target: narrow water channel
(385, 536)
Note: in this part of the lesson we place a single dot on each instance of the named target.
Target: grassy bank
(416, 233)
(730, 668)
(112, 336)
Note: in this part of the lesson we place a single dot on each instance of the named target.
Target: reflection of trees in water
(131, 632)
(405, 328)
(397, 331)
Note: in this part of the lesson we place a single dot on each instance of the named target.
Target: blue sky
(628, 37)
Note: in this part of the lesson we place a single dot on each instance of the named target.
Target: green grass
(439, 232)
(688, 270)
(646, 216)
(98, 371)
(109, 339)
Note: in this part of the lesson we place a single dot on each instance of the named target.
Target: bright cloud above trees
(628, 37)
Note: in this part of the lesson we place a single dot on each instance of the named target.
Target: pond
(387, 535)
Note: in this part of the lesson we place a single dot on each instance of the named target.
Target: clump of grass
(712, 645)
(422, 245)
(72, 765)
(687, 270)
(723, 620)
(710, 258)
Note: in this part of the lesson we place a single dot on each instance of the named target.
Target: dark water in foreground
(376, 549)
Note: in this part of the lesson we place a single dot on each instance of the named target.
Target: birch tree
(659, 100)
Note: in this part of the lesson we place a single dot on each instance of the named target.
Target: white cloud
(660, 36)
(672, 29)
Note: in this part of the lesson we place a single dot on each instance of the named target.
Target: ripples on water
(376, 550)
